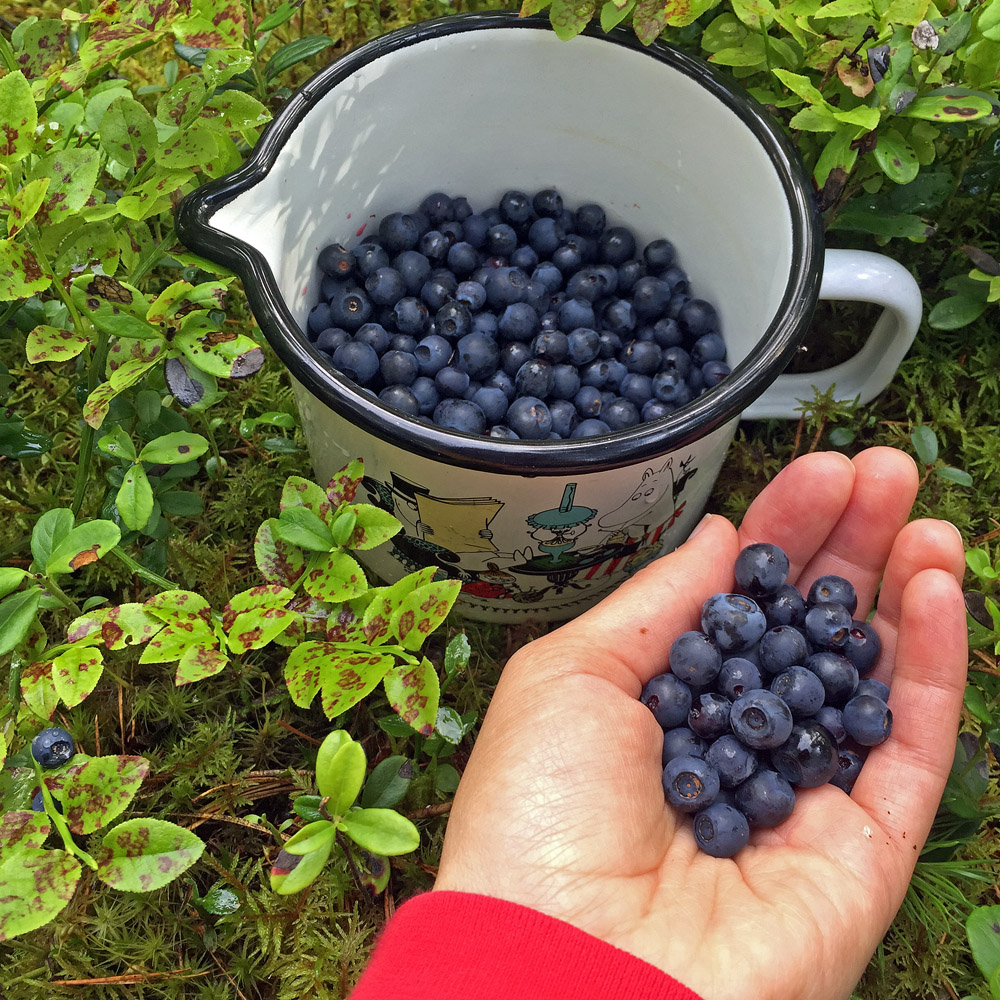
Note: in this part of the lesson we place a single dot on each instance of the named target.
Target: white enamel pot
(481, 103)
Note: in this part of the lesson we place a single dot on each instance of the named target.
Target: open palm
(561, 807)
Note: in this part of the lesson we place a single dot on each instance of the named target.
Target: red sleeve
(460, 946)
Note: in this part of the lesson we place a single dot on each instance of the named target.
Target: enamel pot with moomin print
(478, 104)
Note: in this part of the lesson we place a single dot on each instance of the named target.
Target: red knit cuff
(461, 946)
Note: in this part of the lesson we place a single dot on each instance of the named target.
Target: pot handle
(854, 276)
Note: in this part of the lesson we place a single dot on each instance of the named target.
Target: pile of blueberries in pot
(527, 320)
(770, 696)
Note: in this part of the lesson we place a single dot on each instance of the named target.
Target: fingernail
(957, 532)
(700, 526)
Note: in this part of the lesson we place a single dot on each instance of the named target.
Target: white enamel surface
(855, 276)
(477, 113)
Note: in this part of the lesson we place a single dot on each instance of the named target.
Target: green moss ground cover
(229, 754)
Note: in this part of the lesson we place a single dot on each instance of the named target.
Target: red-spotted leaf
(118, 627)
(373, 527)
(100, 790)
(84, 545)
(278, 561)
(345, 622)
(948, 109)
(23, 829)
(25, 203)
(38, 689)
(18, 118)
(172, 642)
(42, 44)
(422, 611)
(383, 831)
(343, 487)
(48, 343)
(76, 672)
(413, 691)
(21, 274)
(198, 662)
(302, 671)
(122, 378)
(72, 174)
(145, 854)
(385, 601)
(375, 872)
(219, 352)
(174, 449)
(570, 17)
(45, 878)
(256, 628)
(265, 597)
(128, 349)
(334, 577)
(179, 606)
(299, 492)
(113, 306)
(128, 133)
(345, 678)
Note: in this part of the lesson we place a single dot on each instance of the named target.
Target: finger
(885, 486)
(627, 637)
(799, 508)
(902, 781)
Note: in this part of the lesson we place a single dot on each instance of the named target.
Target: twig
(298, 732)
(213, 818)
(436, 810)
(133, 979)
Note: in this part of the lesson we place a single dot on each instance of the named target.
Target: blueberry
(402, 398)
(38, 802)
(534, 378)
(695, 658)
(516, 208)
(650, 296)
(575, 313)
(655, 409)
(518, 322)
(564, 417)
(709, 347)
(486, 324)
(590, 220)
(828, 626)
(637, 388)
(678, 281)
(460, 415)
(461, 208)
(357, 361)
(463, 259)
(474, 229)
(868, 720)
(374, 335)
(765, 798)
(838, 674)
(642, 357)
(545, 237)
(721, 830)
(863, 646)
(331, 338)
(549, 275)
(616, 245)
(493, 403)
(714, 372)
(433, 352)
(782, 647)
(529, 418)
(614, 372)
(868, 685)
(801, 690)
(565, 382)
(434, 245)
(567, 258)
(399, 232)
(733, 621)
(671, 388)
(588, 401)
(370, 257)
(525, 258)
(619, 317)
(451, 382)
(435, 292)
(668, 334)
(403, 342)
(501, 240)
(503, 432)
(478, 355)
(832, 589)
(438, 208)
(319, 319)
(453, 320)
(591, 427)
(833, 719)
(621, 413)
(398, 368)
(629, 273)
(471, 294)
(698, 318)
(733, 761)
(709, 714)
(736, 677)
(680, 742)
(761, 569)
(336, 261)
(808, 758)
(786, 607)
(761, 720)
(668, 698)
(426, 394)
(505, 286)
(659, 255)
(412, 316)
(848, 768)
(52, 747)
(414, 268)
(552, 345)
(588, 283)
(548, 203)
(690, 783)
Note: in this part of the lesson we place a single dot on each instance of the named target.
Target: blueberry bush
(183, 601)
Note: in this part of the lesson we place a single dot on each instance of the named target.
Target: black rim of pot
(568, 457)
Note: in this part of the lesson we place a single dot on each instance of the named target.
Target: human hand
(561, 806)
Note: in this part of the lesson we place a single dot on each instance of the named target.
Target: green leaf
(925, 443)
(958, 476)
(156, 194)
(446, 779)
(983, 928)
(334, 577)
(85, 544)
(18, 118)
(46, 878)
(451, 727)
(144, 854)
(456, 654)
(10, 579)
(17, 613)
(948, 109)
(21, 274)
(50, 530)
(896, 157)
(127, 133)
(223, 354)
(612, 15)
(388, 782)
(339, 777)
(300, 526)
(295, 52)
(25, 204)
(15, 441)
(122, 378)
(844, 8)
(861, 216)
(413, 692)
(277, 561)
(979, 563)
(100, 789)
(312, 837)
(373, 526)
(347, 677)
(955, 312)
(750, 53)
(800, 85)
(864, 117)
(299, 492)
(382, 831)
(113, 306)
(221, 65)
(135, 498)
(117, 444)
(219, 901)
(679, 13)
(975, 702)
(422, 611)
(173, 449)
(76, 672)
(292, 873)
(196, 146)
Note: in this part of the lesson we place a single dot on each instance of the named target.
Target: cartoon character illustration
(632, 518)
(493, 583)
(557, 529)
